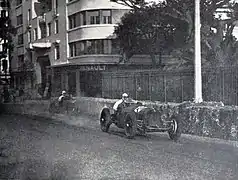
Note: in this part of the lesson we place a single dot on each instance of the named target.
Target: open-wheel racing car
(134, 117)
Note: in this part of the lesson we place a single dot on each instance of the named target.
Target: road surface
(37, 148)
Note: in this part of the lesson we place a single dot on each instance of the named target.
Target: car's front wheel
(130, 125)
(175, 131)
(105, 120)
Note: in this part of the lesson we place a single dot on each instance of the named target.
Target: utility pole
(197, 63)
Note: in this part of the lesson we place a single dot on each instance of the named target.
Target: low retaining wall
(205, 119)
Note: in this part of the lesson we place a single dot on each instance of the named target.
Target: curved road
(41, 149)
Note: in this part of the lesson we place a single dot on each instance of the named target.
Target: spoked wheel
(175, 131)
(130, 125)
(105, 120)
(143, 123)
(53, 107)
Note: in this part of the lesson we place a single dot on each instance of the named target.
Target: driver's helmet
(63, 93)
(125, 96)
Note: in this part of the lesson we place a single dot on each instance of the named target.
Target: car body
(68, 106)
(134, 117)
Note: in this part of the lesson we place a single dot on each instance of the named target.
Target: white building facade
(67, 45)
(64, 44)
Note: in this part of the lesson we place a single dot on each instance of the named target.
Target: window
(3, 13)
(72, 49)
(95, 47)
(83, 17)
(56, 6)
(20, 60)
(57, 52)
(103, 46)
(20, 39)
(19, 20)
(107, 17)
(56, 26)
(18, 2)
(94, 17)
(35, 34)
(107, 45)
(90, 17)
(49, 29)
(77, 48)
(43, 30)
(3, 3)
(74, 20)
(29, 15)
(29, 36)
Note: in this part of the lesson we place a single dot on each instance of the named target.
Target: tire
(130, 125)
(105, 120)
(175, 131)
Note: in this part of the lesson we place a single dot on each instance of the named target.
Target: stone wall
(205, 119)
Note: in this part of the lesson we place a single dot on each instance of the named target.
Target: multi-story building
(64, 44)
(4, 52)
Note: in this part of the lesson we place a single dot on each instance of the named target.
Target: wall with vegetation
(205, 119)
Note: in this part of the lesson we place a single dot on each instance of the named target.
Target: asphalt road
(41, 149)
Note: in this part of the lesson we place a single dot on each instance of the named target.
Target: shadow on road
(32, 169)
(162, 137)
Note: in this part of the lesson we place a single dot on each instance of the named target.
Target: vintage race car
(68, 106)
(137, 118)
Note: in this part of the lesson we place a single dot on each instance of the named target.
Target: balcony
(42, 18)
(42, 6)
(97, 31)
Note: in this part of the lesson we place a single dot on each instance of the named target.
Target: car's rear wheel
(175, 131)
(105, 120)
(130, 125)
(53, 107)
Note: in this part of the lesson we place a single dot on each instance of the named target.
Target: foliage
(131, 3)
(146, 30)
(218, 43)
(209, 119)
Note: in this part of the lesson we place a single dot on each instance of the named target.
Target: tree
(134, 4)
(218, 43)
(149, 30)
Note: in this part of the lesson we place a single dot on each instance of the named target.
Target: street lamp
(197, 63)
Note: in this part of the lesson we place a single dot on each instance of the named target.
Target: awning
(41, 45)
